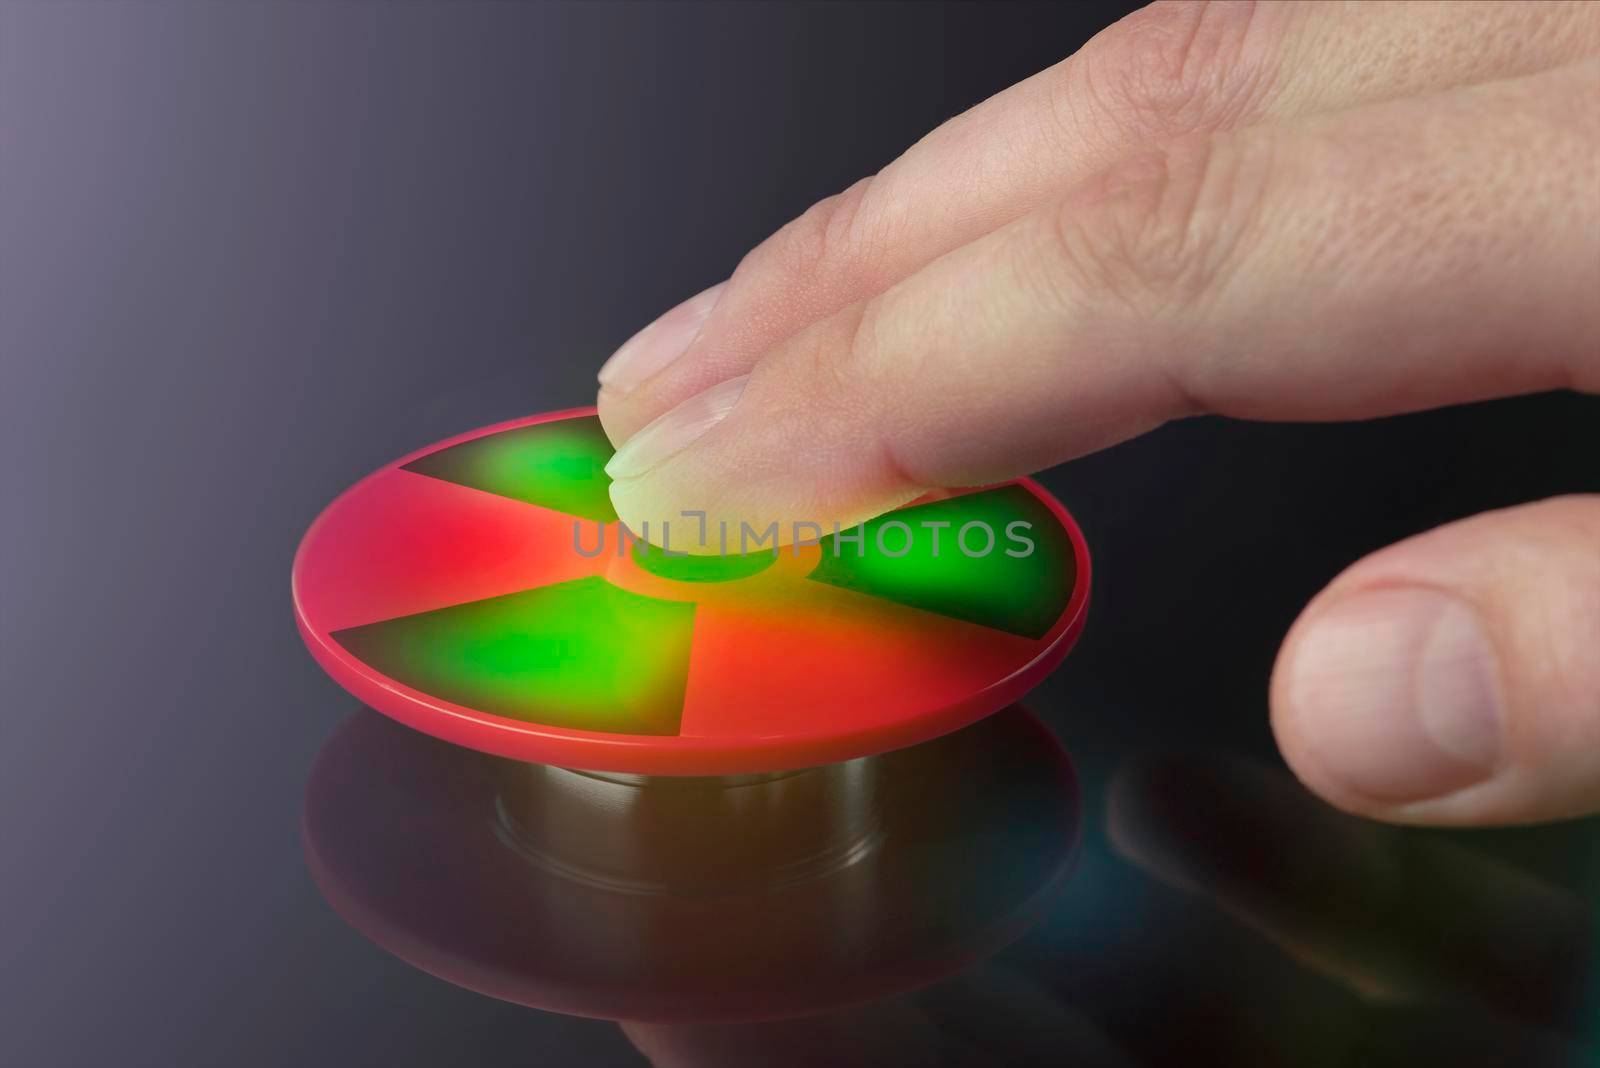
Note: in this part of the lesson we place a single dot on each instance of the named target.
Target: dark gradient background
(248, 252)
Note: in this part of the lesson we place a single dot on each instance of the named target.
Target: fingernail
(1395, 694)
(676, 430)
(658, 344)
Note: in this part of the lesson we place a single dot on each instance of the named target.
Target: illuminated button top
(482, 590)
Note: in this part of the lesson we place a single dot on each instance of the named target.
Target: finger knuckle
(832, 240)
(1161, 230)
(1168, 70)
(854, 369)
(833, 362)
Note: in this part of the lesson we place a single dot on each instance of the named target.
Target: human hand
(1305, 212)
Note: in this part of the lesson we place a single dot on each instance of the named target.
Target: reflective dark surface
(864, 913)
(249, 252)
(695, 900)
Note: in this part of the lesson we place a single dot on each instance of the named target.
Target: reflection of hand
(1443, 948)
(1298, 937)
(1275, 212)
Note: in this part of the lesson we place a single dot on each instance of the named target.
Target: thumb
(1453, 678)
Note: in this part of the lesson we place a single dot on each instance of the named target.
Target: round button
(483, 591)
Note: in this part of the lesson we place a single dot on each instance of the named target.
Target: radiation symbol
(479, 590)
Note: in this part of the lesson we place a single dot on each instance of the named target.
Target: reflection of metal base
(691, 899)
(648, 834)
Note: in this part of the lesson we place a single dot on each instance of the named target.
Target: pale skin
(1281, 212)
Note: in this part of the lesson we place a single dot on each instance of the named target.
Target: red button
(482, 590)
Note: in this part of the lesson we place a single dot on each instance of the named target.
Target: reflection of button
(474, 590)
(692, 899)
(689, 834)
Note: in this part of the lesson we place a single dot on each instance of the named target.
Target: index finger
(1375, 261)
(1165, 72)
